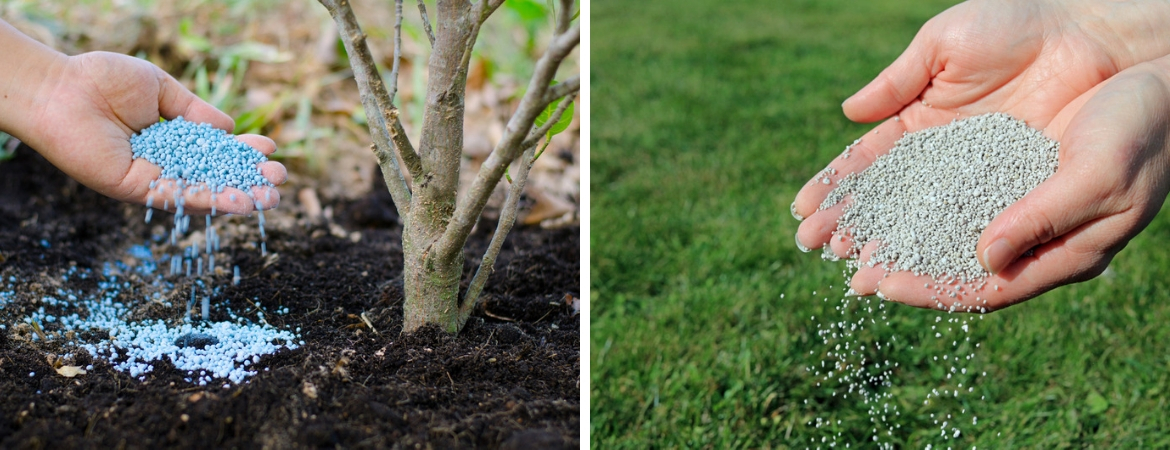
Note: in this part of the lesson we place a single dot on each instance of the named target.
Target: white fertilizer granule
(926, 203)
(930, 198)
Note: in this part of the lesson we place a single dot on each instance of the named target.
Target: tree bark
(432, 289)
(431, 284)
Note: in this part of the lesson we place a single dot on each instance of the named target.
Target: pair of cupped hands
(1094, 75)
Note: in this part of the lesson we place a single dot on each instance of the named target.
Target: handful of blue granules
(194, 158)
(198, 153)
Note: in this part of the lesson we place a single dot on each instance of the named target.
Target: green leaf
(202, 85)
(561, 124)
(255, 119)
(191, 40)
(552, 18)
(255, 51)
(4, 153)
(1096, 403)
(528, 10)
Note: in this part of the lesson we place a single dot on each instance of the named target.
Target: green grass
(707, 118)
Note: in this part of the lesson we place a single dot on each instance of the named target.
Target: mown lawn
(708, 116)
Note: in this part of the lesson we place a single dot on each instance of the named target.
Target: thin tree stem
(573, 84)
(507, 219)
(422, 10)
(564, 16)
(480, 13)
(397, 49)
(397, 133)
(471, 205)
(534, 137)
(375, 101)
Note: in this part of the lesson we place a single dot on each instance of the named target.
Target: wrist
(30, 72)
(1131, 32)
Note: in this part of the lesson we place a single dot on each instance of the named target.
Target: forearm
(25, 68)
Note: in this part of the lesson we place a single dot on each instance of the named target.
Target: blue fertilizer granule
(101, 319)
(198, 153)
(193, 158)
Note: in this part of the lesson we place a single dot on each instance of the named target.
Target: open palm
(1028, 59)
(94, 105)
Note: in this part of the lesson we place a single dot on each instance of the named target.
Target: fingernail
(998, 255)
(801, 246)
(795, 215)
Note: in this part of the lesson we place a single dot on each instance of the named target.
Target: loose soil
(509, 380)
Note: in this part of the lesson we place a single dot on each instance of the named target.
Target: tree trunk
(431, 280)
(436, 224)
(431, 287)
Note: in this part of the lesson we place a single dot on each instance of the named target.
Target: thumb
(1056, 207)
(175, 100)
(897, 85)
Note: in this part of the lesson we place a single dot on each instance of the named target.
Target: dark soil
(509, 380)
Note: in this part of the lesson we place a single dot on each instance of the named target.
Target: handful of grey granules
(930, 198)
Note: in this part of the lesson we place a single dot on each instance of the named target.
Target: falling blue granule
(226, 352)
(199, 153)
(141, 252)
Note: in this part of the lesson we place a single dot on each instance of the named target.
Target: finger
(263, 144)
(1075, 256)
(198, 200)
(1083, 188)
(1054, 208)
(855, 159)
(815, 232)
(135, 186)
(866, 280)
(265, 197)
(273, 171)
(897, 85)
(841, 242)
(905, 287)
(230, 201)
(234, 201)
(923, 291)
(175, 100)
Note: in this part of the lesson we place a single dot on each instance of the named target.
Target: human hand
(93, 104)
(1027, 59)
(1113, 178)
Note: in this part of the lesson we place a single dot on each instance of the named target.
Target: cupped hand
(98, 100)
(1028, 59)
(1113, 178)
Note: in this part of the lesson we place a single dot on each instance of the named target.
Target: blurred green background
(707, 118)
